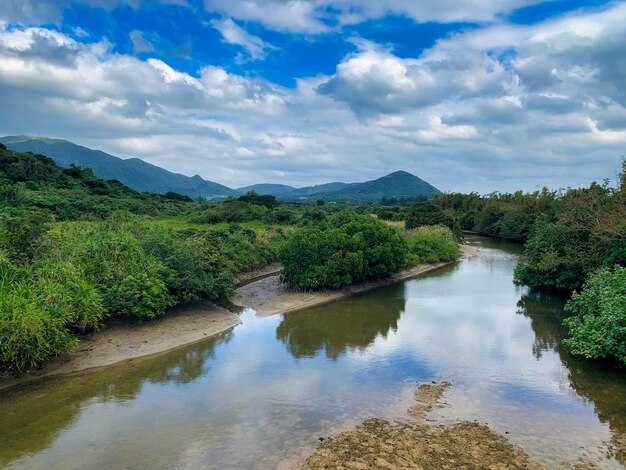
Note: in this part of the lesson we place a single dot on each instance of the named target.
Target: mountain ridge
(133, 172)
(146, 177)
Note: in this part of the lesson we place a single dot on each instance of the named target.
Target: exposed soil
(378, 444)
(268, 296)
(124, 340)
(246, 277)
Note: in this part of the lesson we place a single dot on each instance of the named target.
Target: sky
(470, 95)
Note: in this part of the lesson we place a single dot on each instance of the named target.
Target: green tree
(598, 329)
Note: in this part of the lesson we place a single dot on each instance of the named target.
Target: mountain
(142, 176)
(399, 185)
(272, 189)
(133, 172)
(320, 188)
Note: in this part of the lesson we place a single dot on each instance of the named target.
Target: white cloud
(297, 16)
(502, 107)
(315, 16)
(374, 80)
(235, 34)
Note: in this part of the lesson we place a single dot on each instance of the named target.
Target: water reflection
(36, 413)
(546, 315)
(603, 386)
(344, 325)
(261, 396)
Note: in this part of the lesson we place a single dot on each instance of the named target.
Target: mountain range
(143, 176)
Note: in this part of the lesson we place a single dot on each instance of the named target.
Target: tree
(346, 250)
(598, 329)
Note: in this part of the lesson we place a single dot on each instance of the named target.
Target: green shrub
(429, 244)
(20, 232)
(348, 249)
(130, 280)
(515, 225)
(207, 216)
(598, 330)
(487, 222)
(195, 269)
(426, 213)
(39, 308)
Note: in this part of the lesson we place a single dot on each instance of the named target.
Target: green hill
(397, 185)
(133, 172)
(268, 189)
(318, 189)
(144, 177)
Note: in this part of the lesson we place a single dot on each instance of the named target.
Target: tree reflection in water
(50, 406)
(598, 383)
(346, 325)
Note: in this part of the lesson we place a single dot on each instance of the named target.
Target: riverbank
(269, 297)
(121, 341)
(378, 444)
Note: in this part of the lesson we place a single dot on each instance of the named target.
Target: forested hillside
(133, 172)
(144, 177)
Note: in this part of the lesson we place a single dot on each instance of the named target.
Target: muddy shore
(123, 341)
(120, 341)
(269, 297)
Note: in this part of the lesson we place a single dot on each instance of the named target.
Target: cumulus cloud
(500, 107)
(51, 11)
(319, 16)
(235, 34)
(374, 80)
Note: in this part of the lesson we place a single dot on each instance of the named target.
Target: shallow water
(261, 395)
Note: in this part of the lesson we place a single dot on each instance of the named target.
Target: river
(261, 395)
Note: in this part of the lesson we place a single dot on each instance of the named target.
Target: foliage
(426, 213)
(433, 243)
(129, 279)
(39, 308)
(348, 249)
(585, 230)
(251, 197)
(21, 232)
(598, 329)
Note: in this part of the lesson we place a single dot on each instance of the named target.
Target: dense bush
(488, 220)
(251, 197)
(194, 268)
(586, 231)
(39, 308)
(598, 329)
(515, 225)
(426, 213)
(429, 244)
(21, 231)
(348, 249)
(129, 279)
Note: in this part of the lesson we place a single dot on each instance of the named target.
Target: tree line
(574, 242)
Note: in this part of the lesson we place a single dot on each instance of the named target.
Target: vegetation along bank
(77, 252)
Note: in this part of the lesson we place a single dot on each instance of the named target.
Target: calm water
(261, 395)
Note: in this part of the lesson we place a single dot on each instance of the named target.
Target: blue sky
(469, 95)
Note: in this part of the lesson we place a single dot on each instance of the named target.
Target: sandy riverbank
(268, 296)
(124, 341)
(259, 289)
